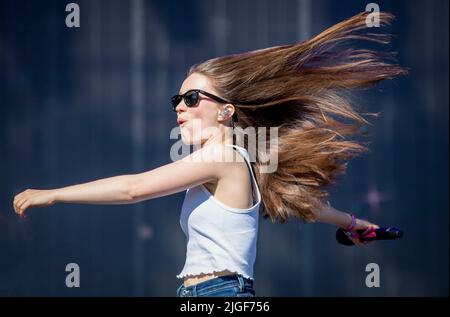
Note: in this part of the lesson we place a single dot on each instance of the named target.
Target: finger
(20, 200)
(21, 212)
(16, 208)
(24, 207)
(361, 243)
(22, 203)
(18, 204)
(18, 212)
(22, 215)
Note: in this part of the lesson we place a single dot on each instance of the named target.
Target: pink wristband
(353, 224)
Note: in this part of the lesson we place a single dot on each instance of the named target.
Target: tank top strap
(246, 156)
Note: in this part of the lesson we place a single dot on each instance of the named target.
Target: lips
(181, 121)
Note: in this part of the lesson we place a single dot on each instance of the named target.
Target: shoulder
(222, 159)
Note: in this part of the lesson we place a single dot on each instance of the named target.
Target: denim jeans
(223, 286)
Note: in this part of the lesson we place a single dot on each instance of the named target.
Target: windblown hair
(303, 90)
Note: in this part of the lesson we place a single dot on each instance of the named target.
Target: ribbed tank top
(219, 237)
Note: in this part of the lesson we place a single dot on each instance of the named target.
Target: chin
(188, 140)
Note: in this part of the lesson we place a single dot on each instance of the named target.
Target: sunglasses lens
(191, 98)
(175, 101)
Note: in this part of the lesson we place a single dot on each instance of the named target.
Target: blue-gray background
(82, 104)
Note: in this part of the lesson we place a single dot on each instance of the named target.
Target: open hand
(32, 198)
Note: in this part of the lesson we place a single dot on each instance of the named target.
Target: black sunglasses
(191, 98)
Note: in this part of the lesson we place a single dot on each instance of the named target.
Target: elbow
(137, 190)
(133, 194)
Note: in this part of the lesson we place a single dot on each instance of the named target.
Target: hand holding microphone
(365, 232)
(371, 234)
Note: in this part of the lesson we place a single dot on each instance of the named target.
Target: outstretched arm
(201, 166)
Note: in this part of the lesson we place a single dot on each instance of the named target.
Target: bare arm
(341, 219)
(198, 168)
(111, 190)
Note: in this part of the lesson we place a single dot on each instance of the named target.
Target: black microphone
(390, 233)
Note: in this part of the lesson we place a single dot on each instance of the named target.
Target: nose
(180, 106)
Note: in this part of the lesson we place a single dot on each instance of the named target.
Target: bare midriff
(192, 280)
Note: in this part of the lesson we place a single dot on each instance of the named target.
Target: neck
(223, 136)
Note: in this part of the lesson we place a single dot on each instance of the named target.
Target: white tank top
(219, 237)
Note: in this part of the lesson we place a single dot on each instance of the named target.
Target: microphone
(390, 233)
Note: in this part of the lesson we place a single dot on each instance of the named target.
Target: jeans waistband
(242, 282)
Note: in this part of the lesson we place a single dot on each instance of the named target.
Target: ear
(226, 112)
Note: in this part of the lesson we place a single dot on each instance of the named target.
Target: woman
(299, 89)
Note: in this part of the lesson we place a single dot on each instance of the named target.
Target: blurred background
(79, 104)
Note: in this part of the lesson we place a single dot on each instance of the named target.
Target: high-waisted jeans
(223, 286)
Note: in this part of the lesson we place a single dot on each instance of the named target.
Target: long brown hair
(302, 89)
